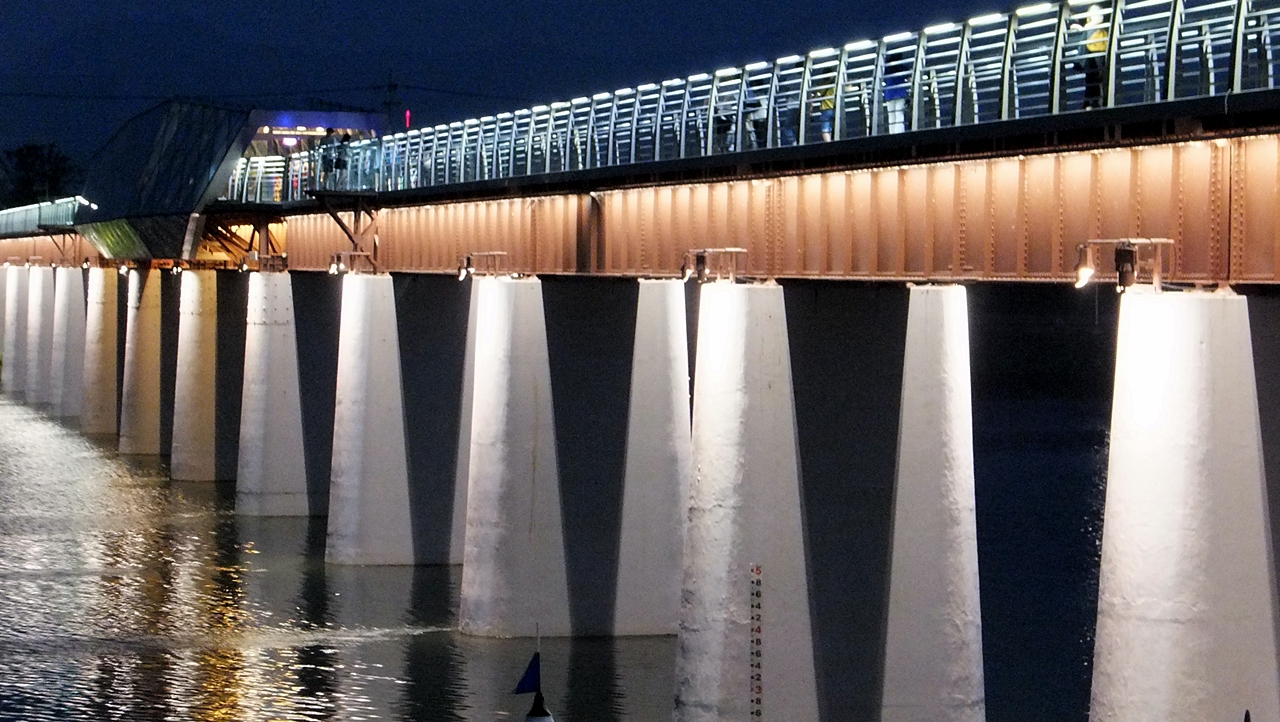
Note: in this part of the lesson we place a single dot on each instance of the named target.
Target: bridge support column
(193, 457)
(140, 399)
(369, 516)
(513, 570)
(67, 369)
(13, 374)
(933, 654)
(99, 413)
(745, 534)
(1186, 599)
(40, 295)
(659, 466)
(4, 301)
(272, 476)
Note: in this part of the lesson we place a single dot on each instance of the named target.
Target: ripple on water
(126, 596)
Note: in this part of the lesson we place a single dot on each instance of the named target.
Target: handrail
(1040, 59)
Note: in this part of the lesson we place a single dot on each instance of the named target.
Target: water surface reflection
(127, 596)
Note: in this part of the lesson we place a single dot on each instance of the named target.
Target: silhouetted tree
(36, 172)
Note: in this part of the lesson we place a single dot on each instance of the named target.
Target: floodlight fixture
(1128, 258)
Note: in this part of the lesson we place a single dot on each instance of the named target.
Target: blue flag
(532, 679)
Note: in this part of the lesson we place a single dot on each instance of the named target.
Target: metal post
(877, 89)
(684, 118)
(1171, 50)
(772, 135)
(1113, 51)
(1238, 49)
(806, 79)
(743, 77)
(1059, 45)
(635, 124)
(962, 65)
(842, 79)
(916, 64)
(1006, 69)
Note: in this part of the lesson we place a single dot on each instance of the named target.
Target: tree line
(35, 172)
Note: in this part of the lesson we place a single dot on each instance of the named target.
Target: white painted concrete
(369, 516)
(40, 299)
(659, 466)
(4, 301)
(98, 415)
(140, 399)
(513, 570)
(745, 510)
(458, 533)
(1186, 601)
(193, 457)
(66, 380)
(13, 373)
(933, 652)
(271, 477)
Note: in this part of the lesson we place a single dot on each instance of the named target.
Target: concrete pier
(271, 479)
(66, 381)
(4, 301)
(513, 572)
(13, 376)
(99, 412)
(933, 653)
(1187, 596)
(140, 397)
(369, 512)
(659, 466)
(40, 299)
(745, 644)
(193, 455)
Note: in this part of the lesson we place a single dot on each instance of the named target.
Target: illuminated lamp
(289, 142)
(124, 270)
(1129, 261)
(333, 268)
(1084, 265)
(84, 265)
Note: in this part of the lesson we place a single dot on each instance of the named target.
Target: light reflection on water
(124, 595)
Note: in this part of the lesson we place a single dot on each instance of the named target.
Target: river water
(127, 596)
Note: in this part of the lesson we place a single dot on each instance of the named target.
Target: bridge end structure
(1186, 602)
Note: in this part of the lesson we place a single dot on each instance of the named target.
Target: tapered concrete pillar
(659, 466)
(271, 478)
(140, 398)
(40, 299)
(13, 374)
(193, 457)
(745, 643)
(66, 381)
(369, 518)
(1186, 598)
(933, 653)
(513, 569)
(4, 301)
(98, 415)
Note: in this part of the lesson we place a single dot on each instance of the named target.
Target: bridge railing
(31, 219)
(1038, 60)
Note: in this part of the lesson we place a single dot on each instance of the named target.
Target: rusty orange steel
(1016, 218)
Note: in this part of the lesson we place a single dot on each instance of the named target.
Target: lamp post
(1129, 261)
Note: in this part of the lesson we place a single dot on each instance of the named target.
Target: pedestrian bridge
(694, 357)
(1041, 60)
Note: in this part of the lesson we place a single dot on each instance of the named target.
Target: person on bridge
(326, 153)
(1094, 62)
(896, 92)
(825, 104)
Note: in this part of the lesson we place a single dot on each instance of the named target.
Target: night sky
(71, 72)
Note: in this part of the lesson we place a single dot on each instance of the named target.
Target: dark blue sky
(538, 50)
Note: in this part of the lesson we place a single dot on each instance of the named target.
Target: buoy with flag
(531, 683)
